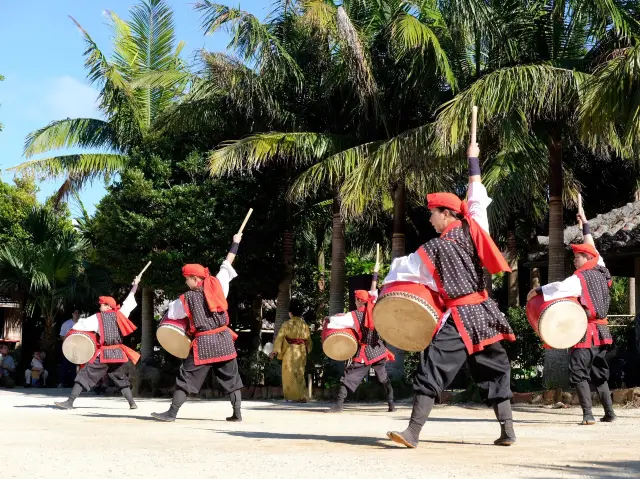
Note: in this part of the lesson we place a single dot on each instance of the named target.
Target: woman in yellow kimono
(292, 345)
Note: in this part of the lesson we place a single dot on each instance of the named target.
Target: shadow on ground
(599, 469)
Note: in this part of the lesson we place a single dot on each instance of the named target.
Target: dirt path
(277, 440)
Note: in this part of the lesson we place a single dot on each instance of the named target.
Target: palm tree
(541, 86)
(50, 268)
(142, 45)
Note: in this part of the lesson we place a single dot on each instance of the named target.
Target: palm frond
(257, 151)
(86, 165)
(71, 133)
(537, 91)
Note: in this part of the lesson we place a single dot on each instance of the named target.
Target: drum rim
(173, 327)
(411, 297)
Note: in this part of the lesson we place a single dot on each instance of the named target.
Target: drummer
(587, 363)
(112, 357)
(472, 327)
(205, 305)
(371, 352)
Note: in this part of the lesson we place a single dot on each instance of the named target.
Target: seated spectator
(7, 367)
(36, 374)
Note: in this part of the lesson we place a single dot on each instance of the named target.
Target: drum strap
(469, 299)
(234, 336)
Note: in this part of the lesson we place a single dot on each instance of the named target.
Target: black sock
(179, 397)
(75, 392)
(128, 395)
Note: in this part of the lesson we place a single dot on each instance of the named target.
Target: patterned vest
(110, 340)
(213, 340)
(371, 348)
(453, 262)
(596, 300)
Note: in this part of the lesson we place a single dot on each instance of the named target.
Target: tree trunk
(284, 288)
(48, 335)
(336, 292)
(399, 220)
(512, 258)
(148, 325)
(632, 296)
(556, 361)
(320, 311)
(396, 368)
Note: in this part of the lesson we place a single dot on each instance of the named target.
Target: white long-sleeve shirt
(345, 320)
(225, 275)
(570, 287)
(91, 323)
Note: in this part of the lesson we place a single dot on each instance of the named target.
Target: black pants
(589, 364)
(446, 354)
(92, 373)
(356, 372)
(191, 377)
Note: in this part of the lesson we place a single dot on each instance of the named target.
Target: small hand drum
(339, 344)
(560, 323)
(406, 315)
(79, 346)
(173, 337)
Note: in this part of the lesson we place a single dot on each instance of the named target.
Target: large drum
(173, 336)
(406, 315)
(560, 323)
(79, 346)
(339, 344)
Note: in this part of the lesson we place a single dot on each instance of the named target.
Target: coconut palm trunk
(338, 253)
(148, 326)
(396, 368)
(284, 288)
(556, 361)
(512, 258)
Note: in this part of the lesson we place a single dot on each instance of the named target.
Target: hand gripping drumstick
(234, 246)
(376, 268)
(580, 210)
(142, 272)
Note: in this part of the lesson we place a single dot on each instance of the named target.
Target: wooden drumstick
(474, 124)
(580, 210)
(376, 268)
(142, 272)
(234, 247)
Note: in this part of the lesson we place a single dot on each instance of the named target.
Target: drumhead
(174, 341)
(405, 323)
(562, 324)
(340, 346)
(78, 348)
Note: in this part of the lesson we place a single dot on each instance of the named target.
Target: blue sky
(42, 62)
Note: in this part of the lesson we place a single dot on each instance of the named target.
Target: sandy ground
(102, 438)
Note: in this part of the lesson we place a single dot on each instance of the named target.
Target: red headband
(109, 301)
(365, 297)
(211, 285)
(585, 249)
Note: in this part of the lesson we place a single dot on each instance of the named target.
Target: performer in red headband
(205, 305)
(472, 327)
(588, 363)
(371, 353)
(112, 357)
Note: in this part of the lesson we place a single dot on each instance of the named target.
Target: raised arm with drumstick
(590, 284)
(111, 357)
(472, 326)
(205, 307)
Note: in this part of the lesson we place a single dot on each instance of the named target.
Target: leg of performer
(491, 371)
(438, 366)
(229, 378)
(579, 375)
(87, 378)
(600, 378)
(190, 379)
(119, 376)
(351, 379)
(380, 368)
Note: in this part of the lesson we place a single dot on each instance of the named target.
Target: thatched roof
(615, 232)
